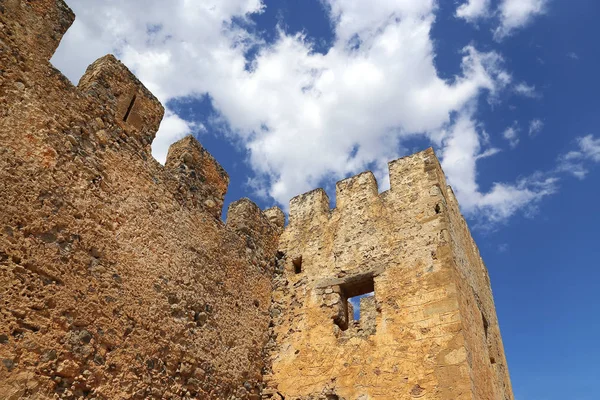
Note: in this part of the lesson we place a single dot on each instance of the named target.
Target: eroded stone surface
(422, 333)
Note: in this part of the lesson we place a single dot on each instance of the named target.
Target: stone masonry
(428, 331)
(119, 280)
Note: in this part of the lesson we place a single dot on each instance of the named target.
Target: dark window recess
(126, 116)
(358, 291)
(438, 209)
(297, 262)
(486, 325)
(486, 328)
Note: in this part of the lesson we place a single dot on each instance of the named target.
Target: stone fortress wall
(118, 279)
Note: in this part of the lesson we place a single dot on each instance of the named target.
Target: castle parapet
(406, 170)
(246, 219)
(201, 181)
(135, 108)
(309, 206)
(356, 190)
(276, 216)
(38, 26)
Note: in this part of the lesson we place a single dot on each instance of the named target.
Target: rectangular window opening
(358, 295)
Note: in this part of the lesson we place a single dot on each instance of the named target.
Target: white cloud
(573, 167)
(535, 127)
(574, 162)
(307, 117)
(172, 128)
(511, 134)
(461, 152)
(589, 148)
(515, 14)
(472, 10)
(526, 90)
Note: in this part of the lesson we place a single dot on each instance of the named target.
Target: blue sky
(290, 95)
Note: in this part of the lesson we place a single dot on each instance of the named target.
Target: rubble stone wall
(118, 279)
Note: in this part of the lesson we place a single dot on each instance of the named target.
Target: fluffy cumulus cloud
(473, 10)
(515, 14)
(306, 117)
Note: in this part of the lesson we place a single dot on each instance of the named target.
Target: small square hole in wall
(358, 295)
(297, 263)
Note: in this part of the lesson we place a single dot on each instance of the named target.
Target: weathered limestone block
(201, 182)
(135, 109)
(276, 216)
(246, 219)
(368, 315)
(355, 192)
(41, 25)
(309, 208)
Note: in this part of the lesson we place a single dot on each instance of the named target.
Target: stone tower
(427, 327)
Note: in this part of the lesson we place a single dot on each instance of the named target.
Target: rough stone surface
(118, 279)
(430, 330)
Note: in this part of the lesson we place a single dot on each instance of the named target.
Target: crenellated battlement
(402, 170)
(356, 191)
(424, 294)
(309, 206)
(201, 181)
(36, 26)
(252, 224)
(276, 216)
(246, 218)
(134, 107)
